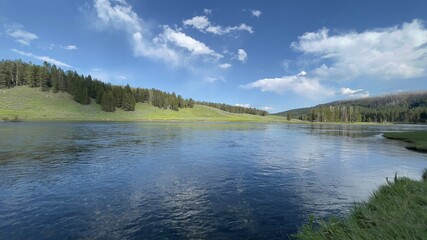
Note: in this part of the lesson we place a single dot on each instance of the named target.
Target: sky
(272, 55)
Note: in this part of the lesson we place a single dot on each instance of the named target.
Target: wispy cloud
(214, 79)
(256, 13)
(171, 45)
(69, 47)
(203, 24)
(242, 55)
(43, 58)
(16, 31)
(398, 52)
(224, 66)
(299, 84)
(182, 40)
(207, 11)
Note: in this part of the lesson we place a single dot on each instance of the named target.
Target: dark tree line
(234, 109)
(409, 107)
(83, 88)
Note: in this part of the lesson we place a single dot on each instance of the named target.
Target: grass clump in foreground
(417, 140)
(397, 210)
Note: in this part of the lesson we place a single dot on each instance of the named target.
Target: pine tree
(54, 74)
(4, 79)
(128, 102)
(191, 103)
(43, 78)
(99, 94)
(30, 75)
(107, 102)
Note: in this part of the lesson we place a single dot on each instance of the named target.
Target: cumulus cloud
(20, 35)
(171, 46)
(43, 58)
(242, 55)
(398, 52)
(203, 24)
(69, 47)
(247, 105)
(300, 84)
(356, 93)
(224, 66)
(256, 13)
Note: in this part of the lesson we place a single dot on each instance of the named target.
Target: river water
(188, 180)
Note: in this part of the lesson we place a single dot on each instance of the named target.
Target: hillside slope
(407, 107)
(33, 104)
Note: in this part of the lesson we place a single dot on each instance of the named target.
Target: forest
(404, 107)
(84, 89)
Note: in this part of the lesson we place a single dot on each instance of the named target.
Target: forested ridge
(84, 89)
(404, 107)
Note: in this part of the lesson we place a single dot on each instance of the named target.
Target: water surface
(188, 180)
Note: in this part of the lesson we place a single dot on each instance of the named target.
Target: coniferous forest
(84, 89)
(405, 107)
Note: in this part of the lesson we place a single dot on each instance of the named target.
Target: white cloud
(300, 84)
(247, 105)
(182, 40)
(398, 52)
(20, 35)
(198, 22)
(357, 93)
(203, 24)
(301, 74)
(242, 55)
(268, 109)
(224, 66)
(171, 46)
(256, 13)
(43, 58)
(214, 79)
(120, 16)
(69, 47)
(207, 11)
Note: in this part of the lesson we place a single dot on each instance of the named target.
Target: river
(69, 180)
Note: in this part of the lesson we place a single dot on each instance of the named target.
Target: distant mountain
(405, 107)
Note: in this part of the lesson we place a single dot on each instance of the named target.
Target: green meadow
(416, 140)
(31, 104)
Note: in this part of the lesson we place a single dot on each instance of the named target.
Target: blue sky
(275, 55)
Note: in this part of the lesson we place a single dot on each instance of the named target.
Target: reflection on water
(187, 180)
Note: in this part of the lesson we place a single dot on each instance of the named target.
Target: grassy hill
(35, 105)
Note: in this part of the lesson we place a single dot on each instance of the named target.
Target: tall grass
(397, 210)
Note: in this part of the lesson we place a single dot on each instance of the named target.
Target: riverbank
(416, 140)
(397, 210)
